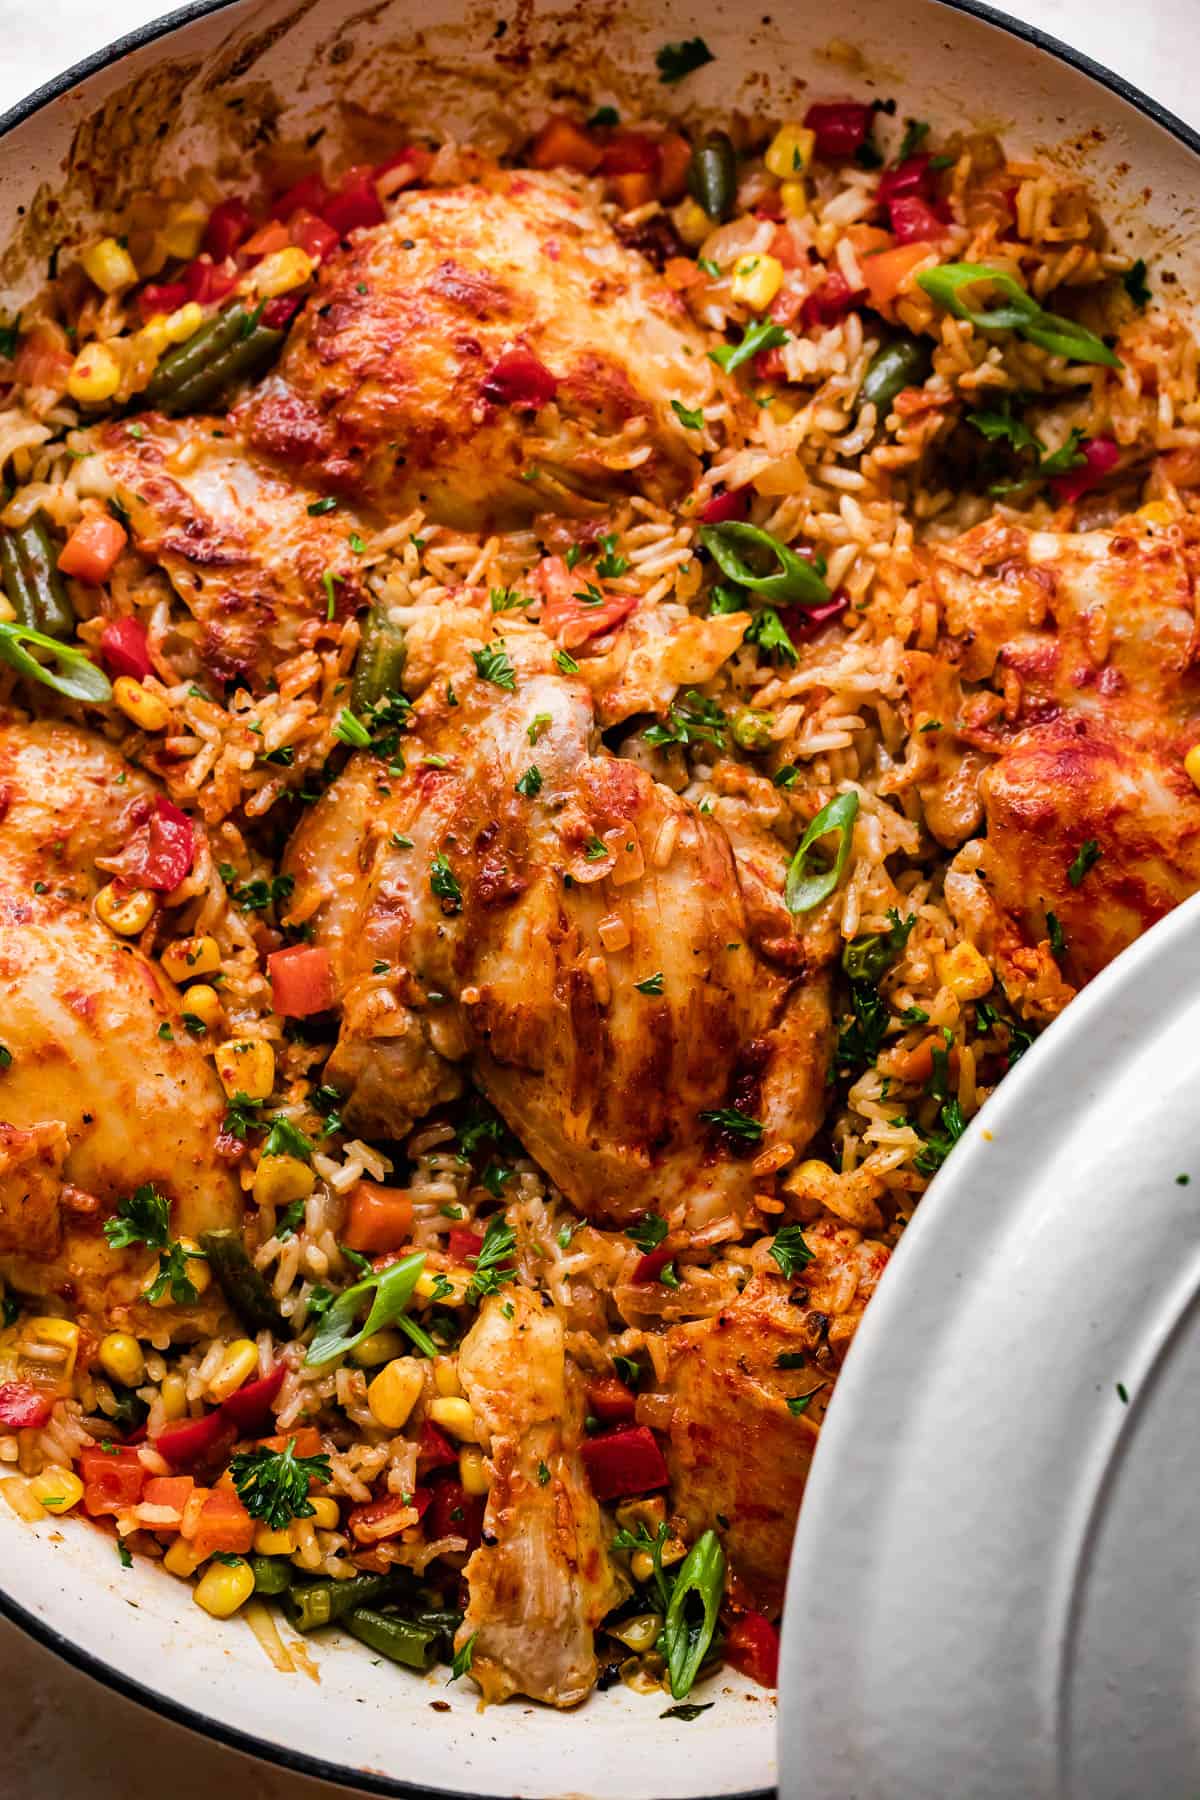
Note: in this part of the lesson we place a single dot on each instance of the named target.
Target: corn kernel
(445, 1376)
(181, 1559)
(95, 375)
(793, 196)
(278, 1180)
(965, 972)
(282, 271)
(183, 233)
(204, 1003)
(224, 1587)
(238, 1364)
(756, 280)
(395, 1391)
(59, 1335)
(692, 223)
(183, 323)
(191, 956)
(472, 1471)
(126, 913)
(246, 1066)
(454, 1415)
(641, 1565)
(790, 151)
(269, 1542)
(109, 265)
(58, 1490)
(1191, 763)
(379, 1348)
(147, 710)
(153, 335)
(1156, 512)
(639, 1633)
(121, 1358)
(173, 1393)
(326, 1514)
(198, 1273)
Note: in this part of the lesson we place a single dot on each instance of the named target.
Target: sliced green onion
(792, 582)
(390, 1291)
(1018, 312)
(70, 671)
(692, 1615)
(804, 890)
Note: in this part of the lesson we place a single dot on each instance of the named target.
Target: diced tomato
(377, 1218)
(573, 620)
(168, 1490)
(912, 176)
(207, 282)
(355, 203)
(1101, 457)
(650, 1266)
(161, 851)
(610, 1401)
(250, 1408)
(913, 220)
(435, 1450)
(752, 1646)
(224, 1525)
(455, 1513)
(518, 378)
(831, 302)
(92, 549)
(841, 126)
(23, 1406)
(383, 1518)
(631, 153)
(301, 980)
(306, 195)
(124, 648)
(562, 144)
(229, 224)
(281, 311)
(161, 297)
(730, 503)
(112, 1480)
(769, 364)
(464, 1244)
(185, 1442)
(313, 235)
(625, 1462)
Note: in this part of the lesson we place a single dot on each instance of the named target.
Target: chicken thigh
(519, 896)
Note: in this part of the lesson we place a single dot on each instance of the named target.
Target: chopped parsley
(565, 662)
(125, 1554)
(241, 1115)
(695, 720)
(444, 885)
(273, 1484)
(290, 1220)
(1135, 284)
(595, 850)
(799, 1403)
(648, 1233)
(144, 1218)
(482, 1127)
(322, 506)
(1054, 931)
(259, 894)
(762, 334)
(915, 132)
(734, 1122)
(536, 726)
(530, 783)
(1087, 856)
(286, 1139)
(690, 417)
(611, 566)
(492, 664)
(653, 984)
(674, 61)
(628, 1370)
(506, 599)
(463, 1659)
(351, 730)
(492, 1269)
(687, 1710)
(789, 1249)
(786, 777)
(543, 1474)
(604, 115)
(769, 632)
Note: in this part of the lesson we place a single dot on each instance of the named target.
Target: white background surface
(64, 1737)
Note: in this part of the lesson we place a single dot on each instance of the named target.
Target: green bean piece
(712, 175)
(381, 657)
(15, 580)
(241, 1283)
(272, 1575)
(55, 614)
(398, 1639)
(311, 1604)
(906, 362)
(231, 346)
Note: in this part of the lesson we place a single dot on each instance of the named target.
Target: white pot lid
(995, 1588)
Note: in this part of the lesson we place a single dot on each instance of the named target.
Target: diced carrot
(301, 980)
(268, 238)
(377, 1218)
(168, 1490)
(307, 1440)
(867, 239)
(675, 160)
(885, 273)
(92, 549)
(632, 190)
(681, 272)
(224, 1525)
(562, 144)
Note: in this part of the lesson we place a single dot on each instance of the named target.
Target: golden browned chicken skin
(1067, 694)
(94, 1102)
(392, 391)
(466, 918)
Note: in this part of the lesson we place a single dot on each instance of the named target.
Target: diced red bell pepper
(435, 1451)
(806, 624)
(161, 297)
(631, 153)
(455, 1513)
(309, 194)
(414, 157)
(518, 378)
(92, 549)
(124, 648)
(229, 224)
(250, 1408)
(184, 1443)
(312, 234)
(650, 1266)
(464, 1244)
(731, 503)
(382, 1518)
(610, 1401)
(625, 1462)
(831, 302)
(207, 282)
(112, 1480)
(1101, 456)
(355, 203)
(24, 1407)
(301, 980)
(161, 851)
(912, 176)
(841, 126)
(752, 1647)
(914, 221)
(281, 311)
